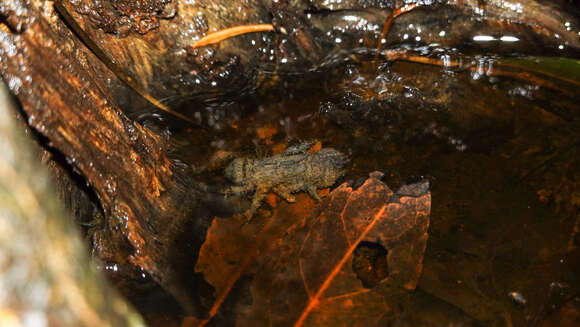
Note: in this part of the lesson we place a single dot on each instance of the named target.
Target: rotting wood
(107, 61)
(39, 242)
(153, 60)
(146, 200)
(158, 64)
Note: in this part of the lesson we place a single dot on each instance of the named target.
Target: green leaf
(564, 69)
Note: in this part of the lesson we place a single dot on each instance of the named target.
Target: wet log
(152, 44)
(148, 41)
(45, 275)
(147, 201)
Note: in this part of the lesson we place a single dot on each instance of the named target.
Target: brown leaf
(266, 132)
(302, 259)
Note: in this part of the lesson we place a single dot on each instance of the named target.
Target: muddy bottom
(501, 154)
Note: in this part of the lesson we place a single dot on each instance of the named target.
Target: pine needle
(389, 21)
(216, 37)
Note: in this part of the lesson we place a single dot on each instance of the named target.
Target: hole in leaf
(369, 262)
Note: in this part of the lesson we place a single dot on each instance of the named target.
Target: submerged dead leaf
(346, 261)
(266, 132)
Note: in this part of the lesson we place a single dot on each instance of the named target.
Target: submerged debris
(305, 259)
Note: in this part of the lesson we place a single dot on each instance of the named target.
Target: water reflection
(499, 146)
(473, 137)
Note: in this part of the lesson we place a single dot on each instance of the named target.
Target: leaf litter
(297, 264)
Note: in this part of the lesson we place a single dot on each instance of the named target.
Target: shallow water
(500, 147)
(502, 156)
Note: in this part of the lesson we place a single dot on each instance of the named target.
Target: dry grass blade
(216, 37)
